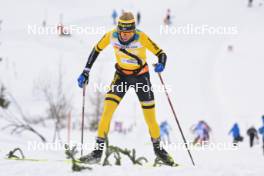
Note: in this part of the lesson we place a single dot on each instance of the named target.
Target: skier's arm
(103, 43)
(153, 47)
(84, 77)
(91, 59)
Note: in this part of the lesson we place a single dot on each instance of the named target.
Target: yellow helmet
(126, 22)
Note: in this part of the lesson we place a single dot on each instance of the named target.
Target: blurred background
(214, 71)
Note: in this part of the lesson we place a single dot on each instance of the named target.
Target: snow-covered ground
(208, 81)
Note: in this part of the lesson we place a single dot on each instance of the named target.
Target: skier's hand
(159, 67)
(83, 78)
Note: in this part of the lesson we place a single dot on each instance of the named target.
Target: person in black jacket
(252, 133)
(250, 2)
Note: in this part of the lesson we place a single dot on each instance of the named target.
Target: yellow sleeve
(149, 44)
(104, 42)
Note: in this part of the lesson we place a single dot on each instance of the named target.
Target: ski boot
(95, 156)
(162, 154)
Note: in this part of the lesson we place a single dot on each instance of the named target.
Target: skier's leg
(169, 141)
(96, 154)
(150, 118)
(146, 98)
(235, 141)
(112, 99)
(168, 136)
(110, 104)
(251, 138)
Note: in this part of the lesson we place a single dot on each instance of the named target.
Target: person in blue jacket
(201, 130)
(261, 131)
(236, 134)
(114, 16)
(165, 131)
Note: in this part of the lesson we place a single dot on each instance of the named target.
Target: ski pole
(175, 116)
(82, 127)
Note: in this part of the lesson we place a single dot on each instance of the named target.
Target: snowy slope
(208, 81)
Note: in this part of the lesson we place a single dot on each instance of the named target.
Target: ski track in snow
(208, 82)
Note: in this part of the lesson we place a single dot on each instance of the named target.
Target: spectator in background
(167, 20)
(236, 134)
(250, 2)
(201, 130)
(138, 18)
(261, 131)
(252, 133)
(114, 16)
(165, 131)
